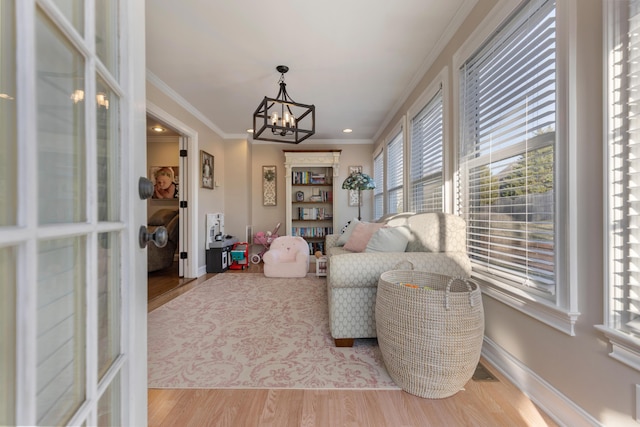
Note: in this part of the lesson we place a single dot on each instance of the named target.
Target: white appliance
(215, 228)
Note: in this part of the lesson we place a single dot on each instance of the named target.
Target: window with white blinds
(395, 174)
(507, 156)
(623, 193)
(426, 158)
(378, 192)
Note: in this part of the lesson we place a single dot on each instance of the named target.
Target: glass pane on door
(61, 329)
(73, 10)
(8, 136)
(109, 301)
(61, 124)
(8, 331)
(108, 147)
(107, 34)
(109, 409)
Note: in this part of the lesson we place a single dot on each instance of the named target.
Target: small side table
(321, 266)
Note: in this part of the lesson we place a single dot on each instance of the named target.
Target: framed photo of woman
(206, 170)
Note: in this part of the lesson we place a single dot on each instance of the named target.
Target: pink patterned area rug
(249, 331)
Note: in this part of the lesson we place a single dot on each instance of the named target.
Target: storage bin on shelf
(430, 329)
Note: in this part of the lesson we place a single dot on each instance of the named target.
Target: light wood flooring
(482, 403)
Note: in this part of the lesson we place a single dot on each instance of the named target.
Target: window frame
(625, 346)
(440, 83)
(563, 313)
(383, 150)
(388, 176)
(378, 192)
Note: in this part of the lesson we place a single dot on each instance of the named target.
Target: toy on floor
(264, 239)
(239, 256)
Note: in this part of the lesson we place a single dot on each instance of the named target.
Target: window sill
(624, 348)
(556, 317)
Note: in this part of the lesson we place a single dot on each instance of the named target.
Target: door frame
(190, 137)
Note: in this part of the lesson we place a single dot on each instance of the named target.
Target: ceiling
(355, 60)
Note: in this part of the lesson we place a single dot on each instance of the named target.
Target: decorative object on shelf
(283, 116)
(358, 181)
(206, 169)
(299, 196)
(269, 185)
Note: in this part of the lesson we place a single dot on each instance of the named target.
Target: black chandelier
(287, 119)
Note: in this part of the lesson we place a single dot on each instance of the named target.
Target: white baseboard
(202, 270)
(555, 404)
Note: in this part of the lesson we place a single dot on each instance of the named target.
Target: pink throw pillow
(361, 234)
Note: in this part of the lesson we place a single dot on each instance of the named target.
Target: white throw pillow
(389, 239)
(347, 232)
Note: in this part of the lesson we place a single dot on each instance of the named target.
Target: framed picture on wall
(206, 170)
(165, 181)
(269, 194)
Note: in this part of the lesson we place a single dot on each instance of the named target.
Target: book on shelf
(308, 177)
(311, 232)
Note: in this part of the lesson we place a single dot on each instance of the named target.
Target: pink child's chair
(288, 256)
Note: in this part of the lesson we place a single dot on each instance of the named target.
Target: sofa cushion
(389, 239)
(347, 232)
(361, 235)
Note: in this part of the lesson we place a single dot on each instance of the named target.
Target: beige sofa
(437, 243)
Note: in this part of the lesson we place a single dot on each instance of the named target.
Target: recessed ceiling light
(249, 130)
(157, 128)
(347, 130)
(6, 96)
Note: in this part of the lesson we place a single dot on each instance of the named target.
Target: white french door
(72, 144)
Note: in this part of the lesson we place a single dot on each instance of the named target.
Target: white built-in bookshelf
(311, 184)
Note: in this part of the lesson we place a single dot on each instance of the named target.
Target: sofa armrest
(330, 241)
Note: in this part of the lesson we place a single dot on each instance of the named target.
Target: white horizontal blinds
(109, 297)
(395, 173)
(624, 167)
(426, 157)
(507, 151)
(378, 192)
(61, 341)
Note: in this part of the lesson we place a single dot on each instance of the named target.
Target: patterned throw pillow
(361, 234)
(347, 232)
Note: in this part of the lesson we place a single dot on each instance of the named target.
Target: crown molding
(175, 96)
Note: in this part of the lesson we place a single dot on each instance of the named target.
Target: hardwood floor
(162, 281)
(481, 403)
